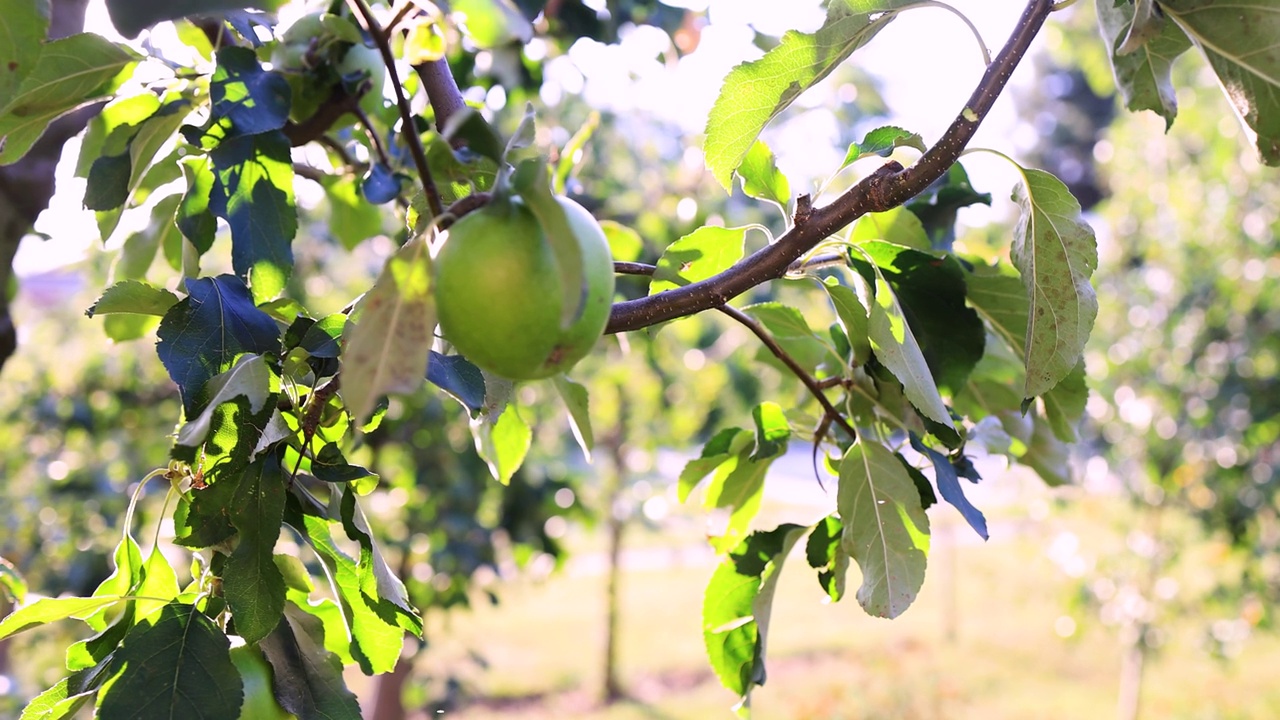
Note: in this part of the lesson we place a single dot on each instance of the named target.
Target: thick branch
(442, 90)
(887, 188)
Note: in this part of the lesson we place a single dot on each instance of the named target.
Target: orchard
(332, 215)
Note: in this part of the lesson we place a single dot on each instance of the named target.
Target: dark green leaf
(252, 584)
(321, 338)
(253, 192)
(456, 375)
(133, 16)
(949, 487)
(330, 466)
(254, 99)
(194, 219)
(823, 553)
(307, 678)
(202, 334)
(885, 529)
(205, 519)
(927, 497)
(756, 92)
(882, 141)
(180, 667)
(938, 204)
(23, 24)
(108, 182)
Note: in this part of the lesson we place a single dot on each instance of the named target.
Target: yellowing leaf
(387, 346)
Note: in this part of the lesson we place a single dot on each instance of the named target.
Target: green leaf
(127, 559)
(724, 445)
(47, 610)
(761, 177)
(204, 333)
(150, 136)
(69, 72)
(792, 332)
(503, 443)
(853, 318)
(755, 92)
(625, 244)
(329, 465)
(253, 192)
(697, 256)
(351, 219)
(253, 99)
(68, 695)
(180, 667)
(1064, 404)
(1047, 455)
(377, 580)
(1056, 254)
(459, 378)
(140, 248)
(1001, 300)
(109, 132)
(1239, 39)
(949, 487)
(307, 678)
(194, 218)
(23, 26)
(203, 520)
(250, 379)
(823, 553)
(576, 402)
(738, 486)
(1143, 75)
(882, 142)
(885, 529)
(133, 16)
(738, 603)
(159, 585)
(490, 23)
(772, 431)
(252, 584)
(898, 226)
(108, 182)
(133, 296)
(931, 292)
(939, 204)
(896, 348)
(389, 340)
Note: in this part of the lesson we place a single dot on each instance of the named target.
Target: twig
(633, 268)
(887, 188)
(442, 91)
(372, 134)
(410, 130)
(809, 382)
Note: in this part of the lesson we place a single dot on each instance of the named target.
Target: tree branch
(886, 188)
(410, 129)
(442, 91)
(809, 382)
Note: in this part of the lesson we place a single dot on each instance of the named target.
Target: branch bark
(887, 188)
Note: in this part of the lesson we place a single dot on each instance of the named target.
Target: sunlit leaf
(194, 219)
(68, 695)
(738, 603)
(853, 318)
(789, 328)
(625, 244)
(885, 529)
(1056, 254)
(69, 72)
(352, 220)
(772, 431)
(203, 334)
(490, 23)
(252, 584)
(898, 226)
(46, 610)
(254, 99)
(133, 296)
(576, 402)
(180, 667)
(329, 465)
(11, 582)
(761, 177)
(755, 92)
(389, 341)
(722, 446)
(377, 580)
(503, 443)
(882, 142)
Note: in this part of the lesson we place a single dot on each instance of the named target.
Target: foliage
(907, 345)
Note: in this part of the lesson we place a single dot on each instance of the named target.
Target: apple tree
(909, 353)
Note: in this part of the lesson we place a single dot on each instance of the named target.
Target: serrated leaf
(738, 603)
(1239, 40)
(697, 256)
(307, 678)
(1064, 404)
(885, 529)
(459, 378)
(377, 580)
(133, 16)
(503, 444)
(253, 191)
(68, 695)
(252, 584)
(69, 72)
(756, 92)
(180, 667)
(389, 343)
(576, 402)
(46, 610)
(1056, 254)
(253, 99)
(882, 141)
(761, 177)
(204, 519)
(133, 296)
(895, 346)
(949, 487)
(1143, 76)
(203, 334)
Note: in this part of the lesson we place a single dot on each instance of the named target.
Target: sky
(927, 59)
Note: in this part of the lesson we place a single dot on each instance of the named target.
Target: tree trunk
(615, 525)
(388, 691)
(27, 185)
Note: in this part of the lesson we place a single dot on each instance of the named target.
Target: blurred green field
(981, 642)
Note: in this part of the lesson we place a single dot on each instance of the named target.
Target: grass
(980, 642)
